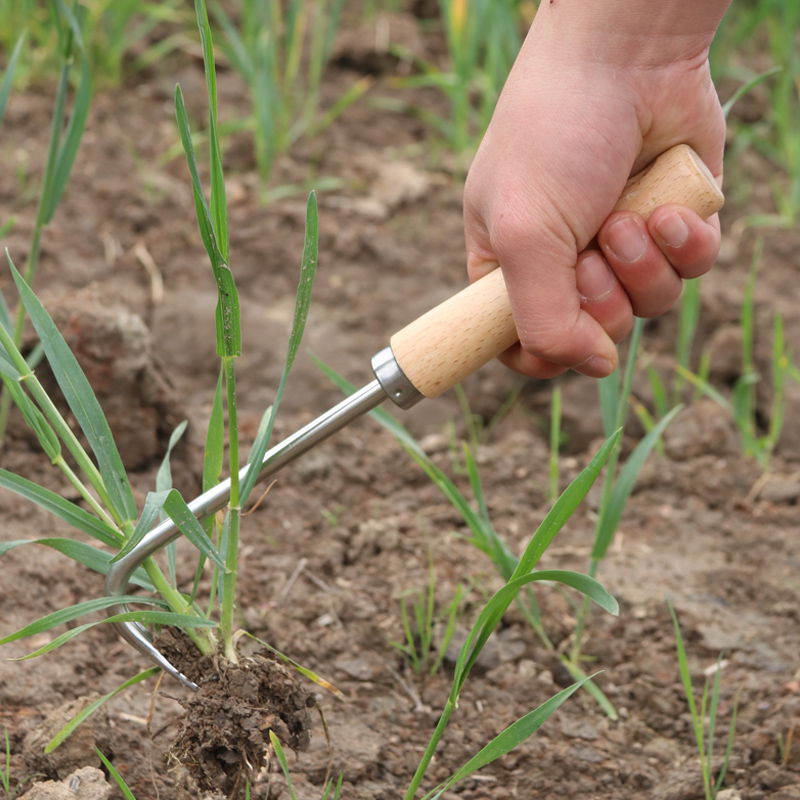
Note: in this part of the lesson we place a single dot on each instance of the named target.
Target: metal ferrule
(397, 386)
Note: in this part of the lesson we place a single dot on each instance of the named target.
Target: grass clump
(421, 625)
(281, 51)
(704, 717)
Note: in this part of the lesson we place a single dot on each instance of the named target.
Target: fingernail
(672, 229)
(626, 240)
(594, 279)
(596, 367)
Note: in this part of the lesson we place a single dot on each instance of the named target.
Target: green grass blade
(302, 302)
(70, 613)
(67, 730)
(592, 689)
(609, 400)
(276, 745)
(72, 514)
(5, 314)
(219, 207)
(555, 441)
(624, 484)
(337, 790)
(118, 779)
(660, 399)
(687, 327)
(707, 389)
(565, 507)
(229, 332)
(81, 400)
(712, 710)
(72, 22)
(780, 362)
(8, 77)
(746, 87)
(72, 140)
(235, 52)
(91, 557)
(163, 484)
(215, 442)
(165, 618)
(475, 481)
(153, 505)
(502, 599)
(190, 527)
(34, 418)
(729, 746)
(7, 367)
(5, 775)
(510, 738)
(164, 474)
(683, 665)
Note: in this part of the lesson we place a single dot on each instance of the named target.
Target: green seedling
(615, 394)
(482, 533)
(95, 470)
(489, 618)
(111, 30)
(555, 441)
(483, 40)
(281, 50)
(743, 406)
(749, 30)
(704, 719)
(418, 645)
(65, 138)
(11, 791)
(5, 772)
(277, 748)
(114, 773)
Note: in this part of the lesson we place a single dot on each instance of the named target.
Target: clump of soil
(224, 732)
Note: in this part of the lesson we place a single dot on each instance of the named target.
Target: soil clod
(224, 733)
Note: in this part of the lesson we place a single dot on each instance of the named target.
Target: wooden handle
(451, 341)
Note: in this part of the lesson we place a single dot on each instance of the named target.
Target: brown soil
(346, 530)
(223, 737)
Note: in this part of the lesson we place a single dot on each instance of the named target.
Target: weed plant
(419, 638)
(483, 39)
(111, 30)
(704, 718)
(280, 50)
(66, 133)
(743, 406)
(748, 30)
(482, 533)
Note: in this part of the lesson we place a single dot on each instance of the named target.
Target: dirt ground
(345, 531)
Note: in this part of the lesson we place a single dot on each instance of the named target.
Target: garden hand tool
(429, 356)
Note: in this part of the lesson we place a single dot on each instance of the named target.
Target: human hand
(583, 109)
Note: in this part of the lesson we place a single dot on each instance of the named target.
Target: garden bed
(346, 530)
